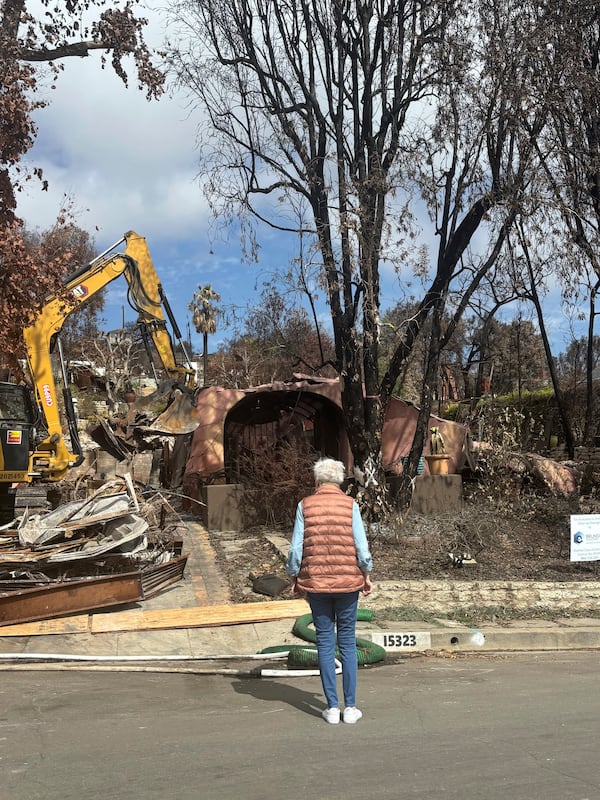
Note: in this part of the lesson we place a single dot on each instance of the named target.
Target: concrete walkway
(213, 647)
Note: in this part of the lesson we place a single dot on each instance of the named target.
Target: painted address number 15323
(399, 640)
(403, 641)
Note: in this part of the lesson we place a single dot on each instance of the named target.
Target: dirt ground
(522, 538)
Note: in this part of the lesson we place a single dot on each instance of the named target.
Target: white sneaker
(331, 715)
(352, 715)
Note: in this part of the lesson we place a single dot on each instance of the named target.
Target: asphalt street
(520, 726)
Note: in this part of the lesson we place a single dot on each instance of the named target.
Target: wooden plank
(74, 624)
(198, 617)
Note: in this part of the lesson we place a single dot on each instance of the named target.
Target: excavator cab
(19, 422)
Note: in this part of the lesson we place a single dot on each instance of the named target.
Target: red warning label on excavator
(14, 437)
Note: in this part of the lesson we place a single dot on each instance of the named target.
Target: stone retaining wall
(443, 596)
(448, 595)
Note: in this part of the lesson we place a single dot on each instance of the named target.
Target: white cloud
(128, 163)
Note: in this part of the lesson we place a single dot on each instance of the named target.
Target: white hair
(328, 470)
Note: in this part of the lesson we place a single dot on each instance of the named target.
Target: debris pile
(169, 410)
(110, 548)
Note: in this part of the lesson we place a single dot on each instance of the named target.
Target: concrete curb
(524, 635)
(503, 641)
(205, 645)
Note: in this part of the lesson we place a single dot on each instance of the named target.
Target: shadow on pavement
(275, 691)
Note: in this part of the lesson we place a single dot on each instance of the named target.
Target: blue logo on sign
(578, 537)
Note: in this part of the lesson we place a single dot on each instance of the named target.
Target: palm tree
(204, 317)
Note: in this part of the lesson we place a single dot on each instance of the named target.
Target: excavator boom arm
(147, 297)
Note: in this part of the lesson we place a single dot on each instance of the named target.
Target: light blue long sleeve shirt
(363, 556)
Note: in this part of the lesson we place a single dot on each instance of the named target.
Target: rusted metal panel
(70, 597)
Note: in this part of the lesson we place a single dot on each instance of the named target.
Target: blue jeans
(330, 611)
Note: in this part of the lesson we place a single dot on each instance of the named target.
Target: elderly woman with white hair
(330, 562)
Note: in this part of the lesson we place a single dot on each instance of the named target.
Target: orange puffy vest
(329, 556)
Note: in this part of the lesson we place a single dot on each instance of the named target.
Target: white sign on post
(585, 537)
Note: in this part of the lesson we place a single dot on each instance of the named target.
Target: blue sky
(130, 164)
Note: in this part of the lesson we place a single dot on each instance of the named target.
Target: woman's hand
(367, 586)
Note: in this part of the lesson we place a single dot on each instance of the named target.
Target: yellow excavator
(33, 445)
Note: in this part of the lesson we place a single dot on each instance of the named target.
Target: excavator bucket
(104, 436)
(180, 416)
